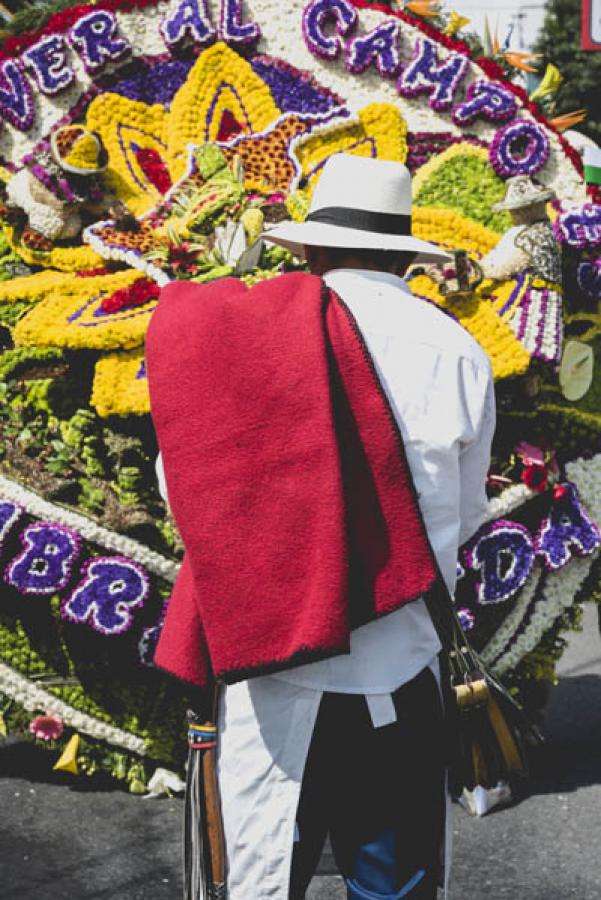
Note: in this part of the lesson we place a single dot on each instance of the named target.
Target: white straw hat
(358, 203)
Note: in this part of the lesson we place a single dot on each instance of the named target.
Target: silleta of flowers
(146, 141)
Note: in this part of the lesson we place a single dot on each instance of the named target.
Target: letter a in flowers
(380, 48)
(567, 531)
(187, 18)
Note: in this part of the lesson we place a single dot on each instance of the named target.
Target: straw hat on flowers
(78, 150)
(358, 203)
(523, 191)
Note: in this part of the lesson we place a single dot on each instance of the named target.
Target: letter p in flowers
(111, 589)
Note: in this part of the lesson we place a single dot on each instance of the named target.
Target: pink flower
(530, 455)
(46, 728)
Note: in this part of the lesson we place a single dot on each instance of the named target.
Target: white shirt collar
(370, 275)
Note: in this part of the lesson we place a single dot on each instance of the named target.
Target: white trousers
(265, 729)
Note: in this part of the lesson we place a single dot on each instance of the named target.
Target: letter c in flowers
(315, 17)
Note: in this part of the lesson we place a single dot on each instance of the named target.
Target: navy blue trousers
(379, 793)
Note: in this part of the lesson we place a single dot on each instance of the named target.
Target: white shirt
(439, 383)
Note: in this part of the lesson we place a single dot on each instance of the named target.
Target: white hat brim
(294, 236)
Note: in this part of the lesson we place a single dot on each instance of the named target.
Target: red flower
(182, 257)
(154, 168)
(46, 728)
(140, 292)
(535, 477)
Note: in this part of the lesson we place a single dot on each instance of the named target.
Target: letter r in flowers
(187, 18)
(111, 589)
(504, 554)
(425, 74)
(45, 564)
(48, 61)
(566, 531)
(321, 12)
(95, 37)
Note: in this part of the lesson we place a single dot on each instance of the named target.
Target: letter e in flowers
(503, 552)
(111, 589)
(45, 564)
(48, 62)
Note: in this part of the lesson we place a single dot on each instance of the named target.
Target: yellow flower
(33, 287)
(522, 60)
(550, 84)
(73, 317)
(120, 385)
(124, 126)
(507, 356)
(426, 8)
(452, 230)
(378, 131)
(220, 82)
(456, 23)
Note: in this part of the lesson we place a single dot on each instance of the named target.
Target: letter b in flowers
(111, 589)
(45, 564)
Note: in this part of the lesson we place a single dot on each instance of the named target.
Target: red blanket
(286, 476)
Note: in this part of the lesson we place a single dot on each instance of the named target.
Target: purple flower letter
(231, 29)
(504, 552)
(487, 99)
(380, 46)
(16, 96)
(588, 276)
(9, 513)
(111, 589)
(45, 564)
(188, 18)
(315, 17)
(566, 531)
(424, 74)
(579, 228)
(520, 148)
(94, 38)
(48, 60)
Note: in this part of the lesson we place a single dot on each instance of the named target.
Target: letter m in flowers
(425, 74)
(111, 589)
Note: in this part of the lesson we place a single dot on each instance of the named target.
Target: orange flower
(568, 120)
(521, 60)
(425, 8)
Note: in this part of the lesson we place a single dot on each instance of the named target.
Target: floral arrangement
(155, 141)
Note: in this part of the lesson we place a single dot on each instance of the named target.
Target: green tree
(559, 42)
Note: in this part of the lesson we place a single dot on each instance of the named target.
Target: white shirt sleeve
(474, 455)
(160, 473)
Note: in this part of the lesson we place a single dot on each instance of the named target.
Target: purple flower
(567, 531)
(16, 96)
(231, 29)
(487, 99)
(467, 618)
(425, 74)
(503, 553)
(380, 47)
(294, 91)
(519, 148)
(111, 589)
(579, 228)
(315, 16)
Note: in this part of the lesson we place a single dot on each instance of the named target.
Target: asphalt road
(63, 842)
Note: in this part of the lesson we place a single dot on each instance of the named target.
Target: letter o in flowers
(504, 554)
(45, 564)
(111, 589)
(519, 148)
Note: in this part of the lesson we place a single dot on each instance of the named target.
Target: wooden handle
(214, 821)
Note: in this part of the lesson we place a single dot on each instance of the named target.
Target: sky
(525, 18)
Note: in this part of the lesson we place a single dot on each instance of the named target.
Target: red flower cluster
(92, 273)
(139, 293)
(154, 168)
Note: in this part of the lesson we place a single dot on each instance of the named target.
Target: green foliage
(13, 362)
(468, 185)
(35, 15)
(559, 42)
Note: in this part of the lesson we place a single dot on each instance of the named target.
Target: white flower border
(91, 531)
(283, 38)
(31, 696)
